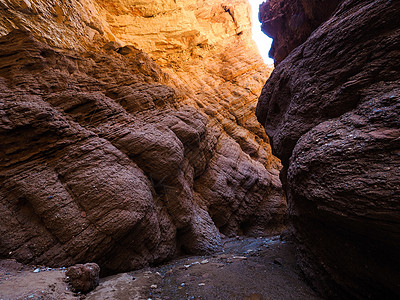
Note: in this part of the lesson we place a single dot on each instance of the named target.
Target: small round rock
(83, 278)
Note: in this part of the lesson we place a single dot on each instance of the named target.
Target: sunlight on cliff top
(263, 42)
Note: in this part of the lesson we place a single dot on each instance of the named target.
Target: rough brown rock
(69, 191)
(204, 46)
(83, 278)
(106, 157)
(291, 22)
(332, 111)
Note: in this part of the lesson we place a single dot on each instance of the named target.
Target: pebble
(204, 262)
(36, 270)
(169, 272)
(153, 286)
(202, 284)
(239, 257)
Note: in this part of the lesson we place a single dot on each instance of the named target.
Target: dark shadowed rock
(332, 110)
(112, 46)
(291, 22)
(83, 278)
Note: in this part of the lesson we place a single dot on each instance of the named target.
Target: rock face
(291, 22)
(332, 110)
(106, 157)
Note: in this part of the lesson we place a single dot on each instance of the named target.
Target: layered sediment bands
(65, 24)
(332, 110)
(291, 22)
(206, 49)
(107, 157)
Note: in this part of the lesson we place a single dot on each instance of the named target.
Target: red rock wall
(106, 157)
(332, 110)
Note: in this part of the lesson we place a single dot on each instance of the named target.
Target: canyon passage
(136, 133)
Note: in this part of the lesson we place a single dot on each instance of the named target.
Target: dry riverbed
(248, 268)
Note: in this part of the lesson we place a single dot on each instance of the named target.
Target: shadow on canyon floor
(247, 268)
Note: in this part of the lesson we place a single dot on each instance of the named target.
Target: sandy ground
(247, 269)
(26, 282)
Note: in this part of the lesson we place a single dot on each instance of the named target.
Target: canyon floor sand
(247, 268)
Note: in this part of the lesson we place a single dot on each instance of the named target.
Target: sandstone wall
(207, 50)
(64, 24)
(332, 110)
(107, 157)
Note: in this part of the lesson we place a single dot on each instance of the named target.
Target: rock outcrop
(291, 22)
(332, 110)
(108, 158)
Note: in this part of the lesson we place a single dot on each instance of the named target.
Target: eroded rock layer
(107, 157)
(332, 110)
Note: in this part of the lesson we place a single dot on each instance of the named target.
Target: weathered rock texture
(83, 278)
(332, 110)
(106, 157)
(291, 22)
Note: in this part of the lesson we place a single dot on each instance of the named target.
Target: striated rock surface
(64, 24)
(108, 158)
(206, 49)
(332, 110)
(291, 22)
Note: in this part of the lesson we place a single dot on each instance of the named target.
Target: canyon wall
(291, 22)
(332, 111)
(121, 157)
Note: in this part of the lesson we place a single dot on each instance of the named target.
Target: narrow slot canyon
(149, 152)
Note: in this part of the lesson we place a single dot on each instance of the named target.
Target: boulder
(83, 278)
